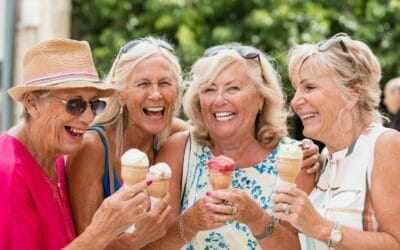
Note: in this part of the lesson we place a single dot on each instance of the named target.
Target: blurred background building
(24, 23)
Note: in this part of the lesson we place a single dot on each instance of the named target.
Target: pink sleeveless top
(34, 210)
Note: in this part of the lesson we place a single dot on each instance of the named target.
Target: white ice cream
(159, 171)
(135, 158)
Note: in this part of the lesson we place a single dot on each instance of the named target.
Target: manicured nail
(149, 181)
(208, 193)
(206, 205)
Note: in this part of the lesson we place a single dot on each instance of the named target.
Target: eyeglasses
(158, 42)
(336, 39)
(77, 106)
(247, 52)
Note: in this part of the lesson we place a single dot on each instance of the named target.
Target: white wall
(2, 27)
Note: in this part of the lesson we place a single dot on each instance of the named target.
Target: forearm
(91, 238)
(281, 237)
(175, 238)
(356, 239)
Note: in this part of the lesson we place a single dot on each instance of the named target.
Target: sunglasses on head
(158, 42)
(77, 106)
(247, 52)
(336, 39)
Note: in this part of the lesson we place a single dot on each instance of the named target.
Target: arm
(385, 188)
(85, 169)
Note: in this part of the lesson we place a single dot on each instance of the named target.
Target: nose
(154, 93)
(220, 98)
(87, 116)
(297, 100)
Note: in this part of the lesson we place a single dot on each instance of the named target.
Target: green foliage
(271, 25)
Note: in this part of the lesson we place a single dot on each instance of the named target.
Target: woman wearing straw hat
(147, 76)
(60, 94)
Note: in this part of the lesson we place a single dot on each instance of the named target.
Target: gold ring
(234, 210)
(228, 203)
(140, 208)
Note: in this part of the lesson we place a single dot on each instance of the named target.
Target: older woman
(236, 105)
(60, 95)
(147, 76)
(354, 205)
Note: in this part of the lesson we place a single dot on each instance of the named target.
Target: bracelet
(269, 229)
(182, 229)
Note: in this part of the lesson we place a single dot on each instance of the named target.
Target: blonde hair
(356, 68)
(270, 122)
(117, 115)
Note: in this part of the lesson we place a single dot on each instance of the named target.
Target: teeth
(155, 109)
(224, 116)
(309, 116)
(77, 131)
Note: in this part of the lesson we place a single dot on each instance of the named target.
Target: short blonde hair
(270, 123)
(119, 72)
(356, 67)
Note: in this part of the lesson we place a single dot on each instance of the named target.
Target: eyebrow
(307, 79)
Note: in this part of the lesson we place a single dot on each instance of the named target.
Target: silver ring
(234, 210)
(286, 208)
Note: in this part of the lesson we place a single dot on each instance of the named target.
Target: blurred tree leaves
(271, 25)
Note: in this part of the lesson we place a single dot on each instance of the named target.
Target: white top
(341, 193)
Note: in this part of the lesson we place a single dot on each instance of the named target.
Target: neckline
(25, 151)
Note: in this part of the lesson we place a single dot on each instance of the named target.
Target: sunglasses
(158, 42)
(336, 39)
(246, 52)
(77, 106)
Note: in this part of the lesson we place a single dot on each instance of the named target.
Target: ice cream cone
(159, 188)
(132, 175)
(220, 180)
(288, 169)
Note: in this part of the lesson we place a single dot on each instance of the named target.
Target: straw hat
(59, 64)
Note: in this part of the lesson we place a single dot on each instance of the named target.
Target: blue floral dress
(257, 181)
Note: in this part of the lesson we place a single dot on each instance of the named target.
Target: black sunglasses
(158, 42)
(247, 52)
(336, 39)
(77, 106)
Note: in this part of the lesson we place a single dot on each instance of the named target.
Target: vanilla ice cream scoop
(159, 171)
(135, 158)
(288, 162)
(290, 151)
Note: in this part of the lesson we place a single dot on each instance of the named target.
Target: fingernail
(208, 193)
(149, 181)
(206, 205)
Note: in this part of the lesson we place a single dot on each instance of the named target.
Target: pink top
(34, 210)
(221, 163)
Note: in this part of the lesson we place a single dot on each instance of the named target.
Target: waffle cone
(132, 175)
(158, 189)
(288, 169)
(220, 180)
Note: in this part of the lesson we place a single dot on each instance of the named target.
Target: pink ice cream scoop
(221, 170)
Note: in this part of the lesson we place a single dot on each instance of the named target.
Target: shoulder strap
(185, 165)
(108, 156)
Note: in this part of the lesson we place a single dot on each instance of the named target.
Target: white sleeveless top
(342, 192)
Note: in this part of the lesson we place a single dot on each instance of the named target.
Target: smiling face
(149, 94)
(58, 130)
(317, 102)
(229, 104)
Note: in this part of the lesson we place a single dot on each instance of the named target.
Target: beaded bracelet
(182, 229)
